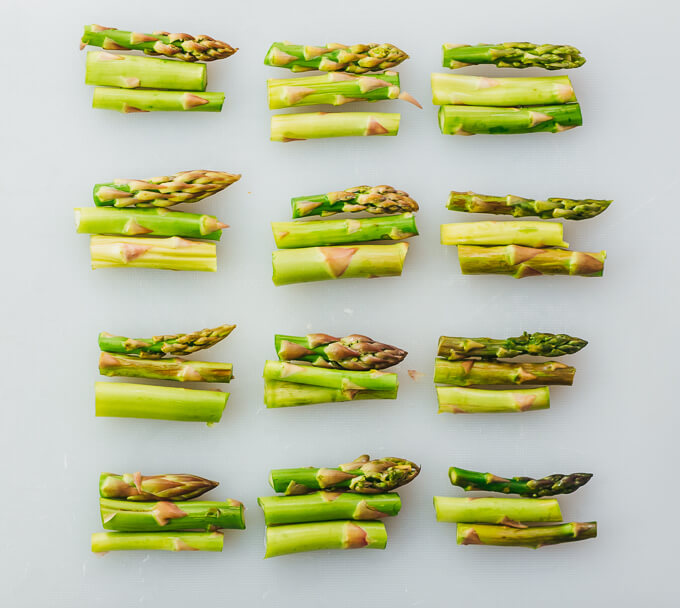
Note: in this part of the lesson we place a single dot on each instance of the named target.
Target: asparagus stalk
(131, 72)
(289, 235)
(537, 344)
(325, 506)
(138, 487)
(524, 486)
(469, 372)
(378, 200)
(461, 400)
(322, 263)
(175, 369)
(342, 379)
(151, 100)
(177, 46)
(355, 352)
(122, 400)
(103, 542)
(557, 208)
(513, 55)
(481, 534)
(520, 262)
(288, 394)
(314, 125)
(530, 234)
(471, 120)
(358, 58)
(506, 511)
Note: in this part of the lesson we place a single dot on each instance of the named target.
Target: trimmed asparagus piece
(102, 542)
(129, 101)
(290, 235)
(378, 200)
(513, 55)
(481, 534)
(325, 506)
(461, 400)
(177, 46)
(506, 511)
(122, 400)
(289, 394)
(530, 234)
(355, 352)
(537, 344)
(472, 120)
(138, 487)
(552, 208)
(322, 263)
(175, 369)
(551, 485)
(315, 125)
(330, 378)
(520, 262)
(480, 373)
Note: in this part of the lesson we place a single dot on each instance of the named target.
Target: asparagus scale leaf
(513, 55)
(537, 344)
(138, 487)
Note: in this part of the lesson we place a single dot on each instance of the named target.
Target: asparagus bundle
(102, 542)
(330, 378)
(138, 487)
(462, 400)
(314, 125)
(175, 369)
(470, 372)
(535, 344)
(529, 234)
(513, 55)
(290, 394)
(506, 511)
(129, 101)
(378, 200)
(536, 537)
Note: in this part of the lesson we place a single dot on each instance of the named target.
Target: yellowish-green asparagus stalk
(461, 400)
(296, 127)
(342, 379)
(529, 234)
(506, 511)
(129, 101)
(103, 542)
(290, 394)
(470, 372)
(536, 537)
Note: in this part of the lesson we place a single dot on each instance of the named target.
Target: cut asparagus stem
(122, 400)
(103, 542)
(355, 352)
(471, 120)
(131, 72)
(173, 253)
(557, 208)
(314, 125)
(551, 485)
(378, 200)
(325, 506)
(506, 511)
(481, 534)
(461, 400)
(482, 91)
(323, 263)
(537, 344)
(156, 222)
(330, 378)
(138, 487)
(178, 46)
(469, 372)
(151, 100)
(530, 234)
(520, 262)
(358, 58)
(288, 394)
(175, 369)
(513, 55)
(289, 235)
(363, 476)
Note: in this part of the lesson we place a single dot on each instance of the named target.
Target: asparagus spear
(461, 400)
(378, 200)
(506, 511)
(131, 72)
(469, 372)
(330, 378)
(177, 46)
(122, 400)
(363, 476)
(513, 55)
(322, 263)
(138, 487)
(314, 125)
(175, 369)
(151, 100)
(102, 542)
(358, 58)
(520, 262)
(524, 486)
(355, 352)
(480, 534)
(289, 394)
(530, 234)
(537, 344)
(324, 506)
(289, 235)
(557, 208)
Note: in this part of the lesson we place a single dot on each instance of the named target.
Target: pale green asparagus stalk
(529, 234)
(341, 379)
(129, 101)
(290, 394)
(296, 127)
(461, 400)
(506, 511)
(103, 542)
(539, 536)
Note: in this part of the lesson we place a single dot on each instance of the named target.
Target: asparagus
(471, 120)
(289, 235)
(151, 100)
(354, 352)
(330, 378)
(461, 400)
(513, 55)
(358, 58)
(322, 263)
(156, 222)
(557, 208)
(177, 46)
(506, 511)
(138, 487)
(288, 394)
(362, 476)
(524, 486)
(102, 542)
(530, 234)
(131, 72)
(165, 191)
(480, 534)
(168, 344)
(121, 400)
(314, 125)
(175, 369)
(378, 200)
(537, 344)
(520, 262)
(470, 372)
(325, 506)
(297, 538)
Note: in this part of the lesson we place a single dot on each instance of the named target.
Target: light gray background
(619, 420)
